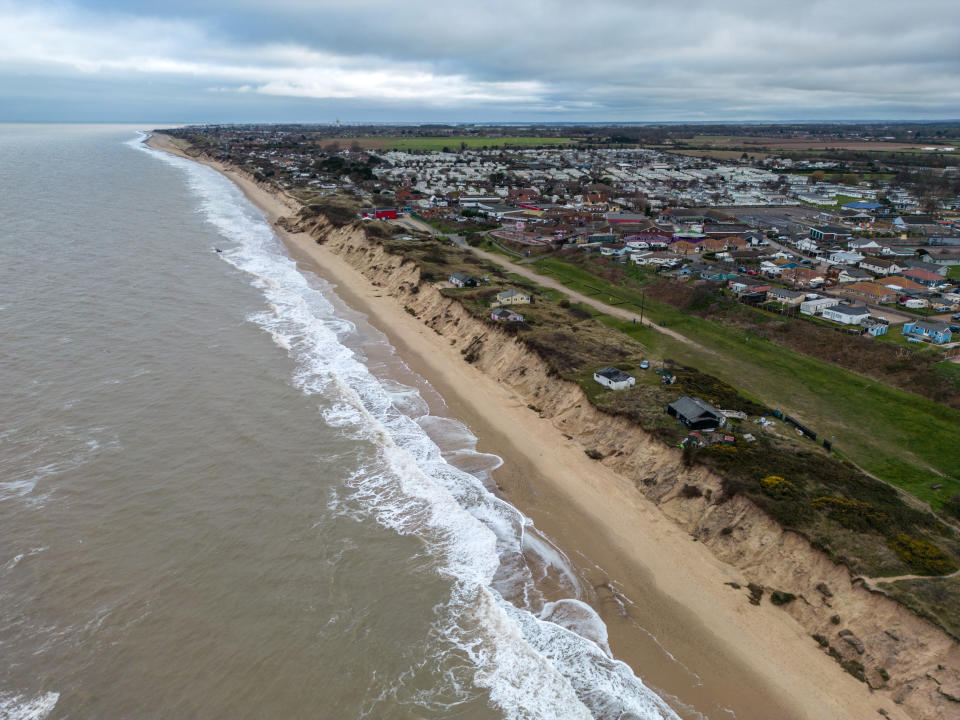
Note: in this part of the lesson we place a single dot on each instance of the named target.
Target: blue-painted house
(932, 330)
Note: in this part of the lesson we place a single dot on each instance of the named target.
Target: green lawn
(893, 434)
(954, 272)
(437, 144)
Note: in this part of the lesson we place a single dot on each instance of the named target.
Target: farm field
(436, 144)
(902, 438)
(720, 142)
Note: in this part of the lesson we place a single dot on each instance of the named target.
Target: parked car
(645, 365)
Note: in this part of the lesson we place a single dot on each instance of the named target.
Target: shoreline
(756, 660)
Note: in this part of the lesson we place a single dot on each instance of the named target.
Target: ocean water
(224, 495)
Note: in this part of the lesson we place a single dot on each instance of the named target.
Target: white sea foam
(17, 707)
(536, 659)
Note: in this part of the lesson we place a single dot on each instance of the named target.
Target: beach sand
(757, 661)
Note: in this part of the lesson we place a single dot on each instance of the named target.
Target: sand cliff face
(873, 636)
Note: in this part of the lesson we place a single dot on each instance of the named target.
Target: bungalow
(880, 266)
(868, 292)
(845, 257)
(875, 326)
(613, 378)
(804, 277)
(725, 230)
(846, 314)
(743, 285)
(696, 414)
(848, 275)
(924, 277)
(915, 223)
(863, 244)
(511, 297)
(935, 331)
(830, 233)
(816, 305)
(459, 279)
(502, 314)
(787, 298)
(897, 282)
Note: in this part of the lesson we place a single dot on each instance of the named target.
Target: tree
(817, 176)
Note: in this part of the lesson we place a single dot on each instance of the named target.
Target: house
(459, 279)
(902, 284)
(880, 266)
(845, 257)
(915, 223)
(502, 314)
(696, 414)
(742, 285)
(817, 304)
(864, 244)
(613, 378)
(846, 314)
(872, 292)
(804, 277)
(875, 326)
(924, 277)
(848, 275)
(386, 214)
(511, 297)
(933, 330)
(787, 298)
(830, 233)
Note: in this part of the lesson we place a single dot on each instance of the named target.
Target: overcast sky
(516, 60)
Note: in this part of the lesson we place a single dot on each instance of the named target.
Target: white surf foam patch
(16, 707)
(531, 666)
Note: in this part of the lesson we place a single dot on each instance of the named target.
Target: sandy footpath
(755, 660)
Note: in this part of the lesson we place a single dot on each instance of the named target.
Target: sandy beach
(757, 661)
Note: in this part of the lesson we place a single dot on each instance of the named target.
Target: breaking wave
(535, 657)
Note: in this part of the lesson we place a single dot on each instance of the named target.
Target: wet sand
(654, 585)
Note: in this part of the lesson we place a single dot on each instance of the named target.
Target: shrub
(922, 556)
(779, 488)
(756, 593)
(691, 491)
(779, 597)
(855, 668)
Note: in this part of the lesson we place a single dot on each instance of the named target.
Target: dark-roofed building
(696, 414)
(461, 279)
(830, 233)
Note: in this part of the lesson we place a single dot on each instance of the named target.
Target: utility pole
(643, 297)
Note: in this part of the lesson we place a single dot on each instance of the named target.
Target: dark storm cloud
(607, 59)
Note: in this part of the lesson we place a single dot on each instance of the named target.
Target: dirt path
(547, 281)
(872, 581)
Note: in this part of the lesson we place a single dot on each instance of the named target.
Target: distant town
(859, 226)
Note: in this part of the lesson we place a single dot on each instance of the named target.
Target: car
(751, 272)
(645, 365)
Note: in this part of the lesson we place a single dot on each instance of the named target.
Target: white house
(880, 266)
(846, 314)
(816, 305)
(843, 257)
(613, 378)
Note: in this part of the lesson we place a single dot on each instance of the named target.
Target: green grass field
(903, 438)
(954, 272)
(437, 144)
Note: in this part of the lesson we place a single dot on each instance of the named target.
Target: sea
(224, 495)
